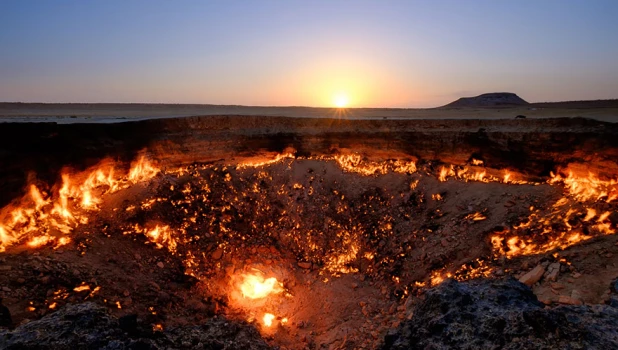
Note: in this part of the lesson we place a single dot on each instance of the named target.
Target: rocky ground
(89, 326)
(478, 314)
(502, 314)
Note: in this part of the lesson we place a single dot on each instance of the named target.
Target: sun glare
(341, 101)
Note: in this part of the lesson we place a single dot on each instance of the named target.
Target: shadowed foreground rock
(502, 315)
(88, 326)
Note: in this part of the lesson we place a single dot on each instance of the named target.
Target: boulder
(533, 276)
(89, 326)
(501, 314)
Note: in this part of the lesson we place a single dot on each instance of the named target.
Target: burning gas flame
(268, 319)
(589, 188)
(254, 286)
(38, 214)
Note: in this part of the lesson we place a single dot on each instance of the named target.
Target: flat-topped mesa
(494, 99)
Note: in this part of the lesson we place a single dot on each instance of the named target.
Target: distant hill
(494, 99)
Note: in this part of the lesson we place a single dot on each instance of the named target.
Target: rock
(154, 285)
(163, 297)
(128, 323)
(552, 272)
(501, 314)
(217, 254)
(160, 265)
(546, 300)
(229, 270)
(5, 268)
(89, 326)
(533, 276)
(565, 299)
(556, 286)
(304, 265)
(575, 294)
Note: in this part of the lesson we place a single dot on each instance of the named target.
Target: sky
(306, 53)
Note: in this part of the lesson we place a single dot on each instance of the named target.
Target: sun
(341, 100)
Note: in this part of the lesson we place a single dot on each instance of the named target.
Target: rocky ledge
(504, 314)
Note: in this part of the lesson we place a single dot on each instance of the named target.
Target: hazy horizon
(396, 54)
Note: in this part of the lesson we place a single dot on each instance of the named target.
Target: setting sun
(341, 100)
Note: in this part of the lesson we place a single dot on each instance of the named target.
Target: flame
(161, 236)
(142, 170)
(39, 241)
(268, 319)
(590, 214)
(257, 164)
(475, 217)
(81, 288)
(255, 286)
(38, 213)
(589, 188)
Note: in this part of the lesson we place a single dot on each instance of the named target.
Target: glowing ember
(82, 288)
(268, 319)
(475, 217)
(256, 287)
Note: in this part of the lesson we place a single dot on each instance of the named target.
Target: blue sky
(376, 53)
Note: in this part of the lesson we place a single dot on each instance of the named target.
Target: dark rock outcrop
(505, 314)
(494, 99)
(89, 326)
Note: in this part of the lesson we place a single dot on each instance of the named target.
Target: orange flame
(256, 287)
(37, 212)
(268, 319)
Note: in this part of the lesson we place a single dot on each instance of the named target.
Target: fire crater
(281, 241)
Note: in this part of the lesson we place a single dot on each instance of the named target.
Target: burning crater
(311, 249)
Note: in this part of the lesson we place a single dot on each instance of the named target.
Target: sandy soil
(108, 113)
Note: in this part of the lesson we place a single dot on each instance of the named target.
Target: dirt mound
(486, 314)
(89, 326)
(494, 99)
